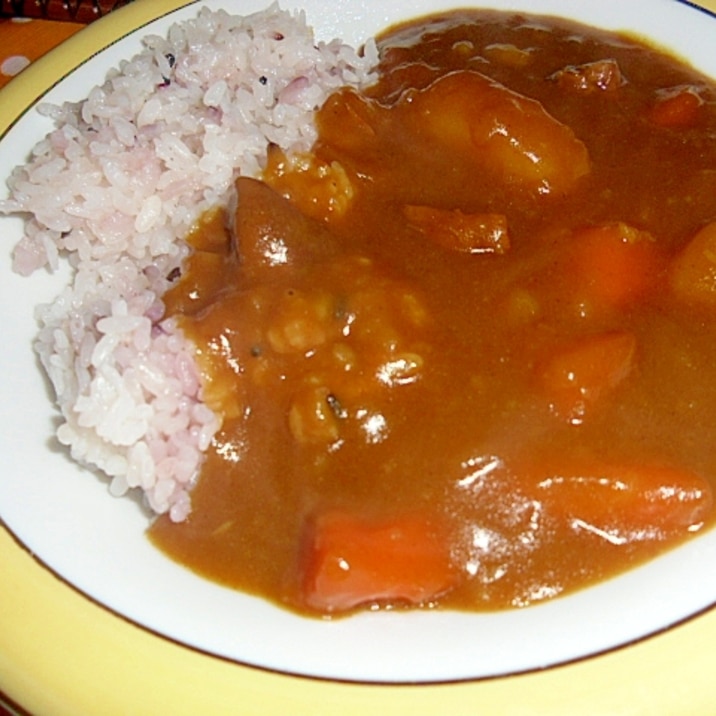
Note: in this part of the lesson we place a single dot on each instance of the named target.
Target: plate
(62, 514)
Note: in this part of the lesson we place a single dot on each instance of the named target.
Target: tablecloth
(23, 40)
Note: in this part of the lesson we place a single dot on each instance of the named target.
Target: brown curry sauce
(479, 319)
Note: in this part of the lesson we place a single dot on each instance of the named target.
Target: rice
(116, 187)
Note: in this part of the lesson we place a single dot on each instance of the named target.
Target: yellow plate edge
(62, 654)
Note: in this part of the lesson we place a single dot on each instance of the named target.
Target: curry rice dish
(458, 346)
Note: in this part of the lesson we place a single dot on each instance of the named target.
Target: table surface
(21, 42)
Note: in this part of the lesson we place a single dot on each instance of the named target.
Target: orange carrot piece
(599, 76)
(623, 503)
(677, 108)
(692, 275)
(351, 561)
(466, 233)
(613, 264)
(580, 374)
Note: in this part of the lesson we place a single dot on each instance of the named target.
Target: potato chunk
(508, 134)
(693, 272)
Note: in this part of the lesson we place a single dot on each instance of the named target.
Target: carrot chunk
(677, 107)
(600, 76)
(692, 274)
(352, 561)
(580, 374)
(466, 233)
(613, 264)
(623, 503)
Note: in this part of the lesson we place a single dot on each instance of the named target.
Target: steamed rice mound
(115, 188)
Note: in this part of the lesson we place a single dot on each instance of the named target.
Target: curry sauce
(464, 351)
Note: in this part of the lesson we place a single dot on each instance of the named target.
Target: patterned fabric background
(29, 28)
(24, 40)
